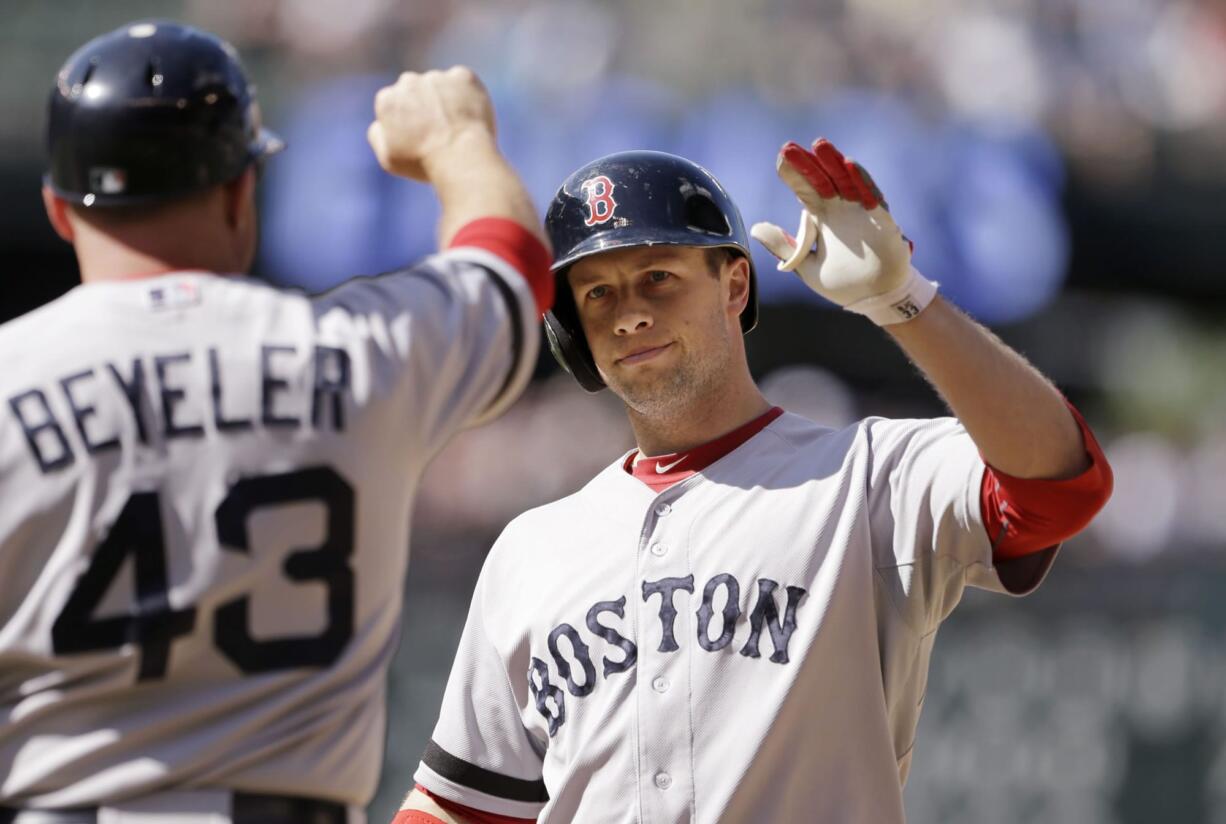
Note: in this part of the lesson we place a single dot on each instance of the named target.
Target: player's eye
(597, 292)
(659, 276)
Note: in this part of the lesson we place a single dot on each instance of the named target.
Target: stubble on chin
(673, 392)
(656, 396)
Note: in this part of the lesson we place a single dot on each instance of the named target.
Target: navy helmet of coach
(637, 198)
(148, 112)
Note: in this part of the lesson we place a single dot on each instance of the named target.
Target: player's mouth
(642, 355)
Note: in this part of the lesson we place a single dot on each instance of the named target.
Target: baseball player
(207, 481)
(734, 621)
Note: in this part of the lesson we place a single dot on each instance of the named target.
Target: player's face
(663, 324)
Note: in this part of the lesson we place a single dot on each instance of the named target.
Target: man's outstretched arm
(1046, 476)
(850, 251)
(1020, 422)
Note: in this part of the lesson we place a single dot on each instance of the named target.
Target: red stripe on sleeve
(475, 816)
(518, 247)
(1028, 515)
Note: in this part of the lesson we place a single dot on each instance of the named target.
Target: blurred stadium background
(1061, 165)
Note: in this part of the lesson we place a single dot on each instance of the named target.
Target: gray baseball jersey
(751, 644)
(207, 486)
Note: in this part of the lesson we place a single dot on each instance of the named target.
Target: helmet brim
(266, 144)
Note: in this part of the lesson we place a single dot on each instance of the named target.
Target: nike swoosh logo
(662, 468)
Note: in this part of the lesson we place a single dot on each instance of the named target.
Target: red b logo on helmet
(600, 202)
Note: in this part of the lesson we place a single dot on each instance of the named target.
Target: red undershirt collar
(662, 471)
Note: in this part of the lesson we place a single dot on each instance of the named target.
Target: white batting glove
(848, 248)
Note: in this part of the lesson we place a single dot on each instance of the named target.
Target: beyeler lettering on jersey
(185, 399)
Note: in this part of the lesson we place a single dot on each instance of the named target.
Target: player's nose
(632, 316)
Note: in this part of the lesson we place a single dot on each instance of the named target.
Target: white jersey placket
(665, 628)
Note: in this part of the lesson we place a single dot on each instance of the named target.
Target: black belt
(246, 808)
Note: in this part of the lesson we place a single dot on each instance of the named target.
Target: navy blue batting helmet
(627, 199)
(151, 111)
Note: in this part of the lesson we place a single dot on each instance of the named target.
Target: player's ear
(738, 284)
(57, 213)
(239, 199)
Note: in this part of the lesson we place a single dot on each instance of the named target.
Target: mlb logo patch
(177, 294)
(107, 181)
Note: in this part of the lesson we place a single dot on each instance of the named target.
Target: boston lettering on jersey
(549, 698)
(175, 394)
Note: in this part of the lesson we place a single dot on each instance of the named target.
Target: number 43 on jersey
(153, 624)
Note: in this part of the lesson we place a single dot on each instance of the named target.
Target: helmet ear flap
(566, 340)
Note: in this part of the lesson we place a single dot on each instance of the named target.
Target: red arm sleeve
(477, 816)
(416, 817)
(1025, 516)
(518, 247)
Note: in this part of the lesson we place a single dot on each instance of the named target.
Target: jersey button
(660, 684)
(659, 550)
(663, 780)
(663, 509)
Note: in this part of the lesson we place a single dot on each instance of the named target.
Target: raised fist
(422, 115)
